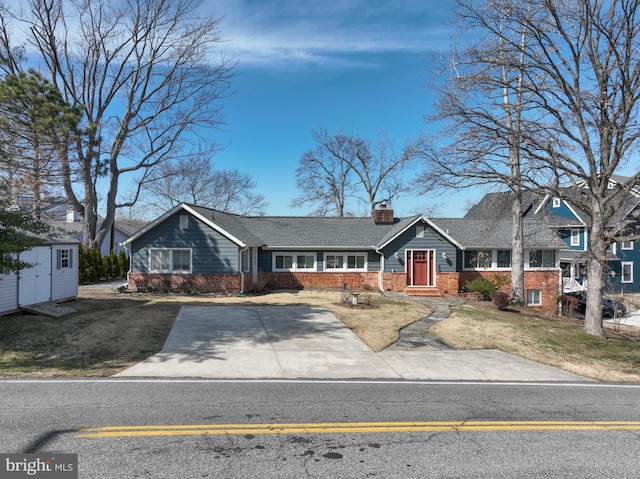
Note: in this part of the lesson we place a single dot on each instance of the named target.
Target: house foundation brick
(546, 281)
(202, 283)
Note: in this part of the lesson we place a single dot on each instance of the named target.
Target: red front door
(421, 271)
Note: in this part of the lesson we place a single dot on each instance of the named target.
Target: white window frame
(491, 264)
(528, 264)
(294, 261)
(510, 259)
(65, 262)
(626, 245)
(536, 296)
(345, 260)
(629, 278)
(575, 237)
(170, 263)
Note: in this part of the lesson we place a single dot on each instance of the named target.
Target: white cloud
(329, 32)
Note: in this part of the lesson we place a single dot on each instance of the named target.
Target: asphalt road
(293, 429)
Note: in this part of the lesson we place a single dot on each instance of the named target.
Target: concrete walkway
(311, 343)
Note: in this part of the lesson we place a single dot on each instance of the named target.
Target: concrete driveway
(310, 342)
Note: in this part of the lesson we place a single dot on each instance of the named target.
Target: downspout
(241, 269)
(381, 272)
(130, 260)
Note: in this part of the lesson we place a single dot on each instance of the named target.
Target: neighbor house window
(477, 259)
(503, 258)
(627, 245)
(345, 261)
(294, 262)
(420, 231)
(542, 259)
(575, 237)
(627, 272)
(184, 222)
(534, 297)
(170, 261)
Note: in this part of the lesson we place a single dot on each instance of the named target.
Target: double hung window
(170, 261)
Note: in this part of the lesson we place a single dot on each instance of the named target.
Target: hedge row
(94, 267)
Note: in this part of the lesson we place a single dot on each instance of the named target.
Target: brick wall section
(319, 280)
(547, 281)
(203, 283)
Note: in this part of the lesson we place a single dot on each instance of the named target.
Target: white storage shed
(53, 277)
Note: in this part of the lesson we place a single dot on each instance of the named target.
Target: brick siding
(203, 283)
(547, 281)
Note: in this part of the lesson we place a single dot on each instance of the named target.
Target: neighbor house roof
(497, 205)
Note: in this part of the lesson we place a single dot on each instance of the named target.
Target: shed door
(421, 268)
(34, 284)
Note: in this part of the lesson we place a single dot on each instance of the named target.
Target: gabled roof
(402, 225)
(355, 233)
(225, 223)
(484, 233)
(286, 232)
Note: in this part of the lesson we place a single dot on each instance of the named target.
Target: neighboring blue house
(195, 248)
(573, 226)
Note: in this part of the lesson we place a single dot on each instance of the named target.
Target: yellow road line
(363, 427)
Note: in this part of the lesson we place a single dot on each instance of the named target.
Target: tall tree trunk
(595, 270)
(517, 249)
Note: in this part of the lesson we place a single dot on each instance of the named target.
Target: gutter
(381, 272)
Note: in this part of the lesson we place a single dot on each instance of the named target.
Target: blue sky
(355, 66)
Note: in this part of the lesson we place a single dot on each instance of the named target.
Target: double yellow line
(361, 427)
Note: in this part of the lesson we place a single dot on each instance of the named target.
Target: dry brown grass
(551, 340)
(112, 331)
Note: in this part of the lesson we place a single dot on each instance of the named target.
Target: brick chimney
(382, 215)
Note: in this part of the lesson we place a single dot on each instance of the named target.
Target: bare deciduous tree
(194, 180)
(581, 85)
(144, 74)
(343, 167)
(483, 105)
(323, 173)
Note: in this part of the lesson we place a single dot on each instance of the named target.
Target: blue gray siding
(431, 240)
(562, 210)
(613, 280)
(212, 252)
